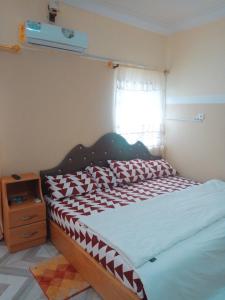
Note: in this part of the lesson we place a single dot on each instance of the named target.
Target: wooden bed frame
(110, 146)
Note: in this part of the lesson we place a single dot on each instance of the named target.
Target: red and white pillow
(104, 177)
(159, 168)
(129, 171)
(62, 186)
(139, 170)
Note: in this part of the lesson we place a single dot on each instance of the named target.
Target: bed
(109, 272)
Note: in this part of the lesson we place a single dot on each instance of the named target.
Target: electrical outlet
(200, 117)
(53, 4)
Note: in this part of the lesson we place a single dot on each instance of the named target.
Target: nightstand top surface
(24, 177)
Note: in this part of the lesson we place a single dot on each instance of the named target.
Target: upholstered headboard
(110, 146)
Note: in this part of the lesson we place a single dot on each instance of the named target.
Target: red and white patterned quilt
(66, 213)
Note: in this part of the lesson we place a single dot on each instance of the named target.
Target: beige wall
(197, 150)
(49, 102)
(106, 36)
(197, 71)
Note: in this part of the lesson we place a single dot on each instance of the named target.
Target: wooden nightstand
(24, 223)
(1, 221)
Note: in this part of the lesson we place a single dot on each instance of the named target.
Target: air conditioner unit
(53, 36)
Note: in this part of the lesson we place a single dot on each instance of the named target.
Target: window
(139, 106)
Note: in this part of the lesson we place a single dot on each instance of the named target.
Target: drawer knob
(29, 235)
(27, 218)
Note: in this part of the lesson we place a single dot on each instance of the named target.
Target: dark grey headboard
(109, 146)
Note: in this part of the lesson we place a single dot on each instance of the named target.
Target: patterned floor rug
(58, 279)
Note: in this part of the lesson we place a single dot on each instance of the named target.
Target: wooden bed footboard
(109, 287)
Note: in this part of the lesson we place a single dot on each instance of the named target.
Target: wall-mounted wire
(199, 118)
(10, 48)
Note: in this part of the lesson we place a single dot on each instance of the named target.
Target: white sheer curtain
(139, 106)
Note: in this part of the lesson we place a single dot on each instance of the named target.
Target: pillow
(159, 168)
(62, 186)
(129, 171)
(104, 177)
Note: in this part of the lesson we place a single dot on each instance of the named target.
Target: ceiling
(163, 16)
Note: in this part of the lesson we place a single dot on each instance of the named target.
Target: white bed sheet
(191, 270)
(142, 231)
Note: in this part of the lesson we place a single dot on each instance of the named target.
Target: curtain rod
(112, 62)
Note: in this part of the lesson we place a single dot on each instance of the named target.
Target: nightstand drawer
(27, 216)
(27, 233)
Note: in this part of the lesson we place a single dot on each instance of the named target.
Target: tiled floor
(16, 281)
